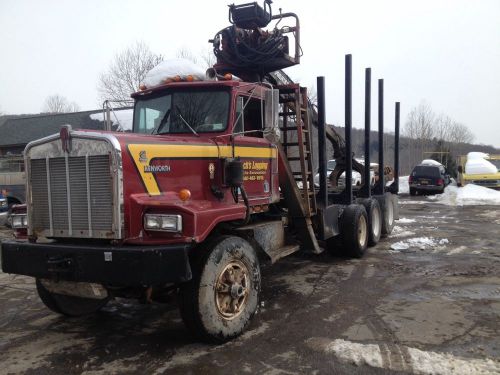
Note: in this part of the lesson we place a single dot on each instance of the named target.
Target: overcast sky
(446, 52)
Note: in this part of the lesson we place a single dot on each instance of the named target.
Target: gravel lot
(426, 300)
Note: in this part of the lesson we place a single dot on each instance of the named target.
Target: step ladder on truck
(216, 176)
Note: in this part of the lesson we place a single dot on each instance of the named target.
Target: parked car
(356, 176)
(428, 178)
(480, 169)
(330, 166)
(4, 208)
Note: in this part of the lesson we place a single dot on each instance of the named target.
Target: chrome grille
(72, 196)
(58, 194)
(100, 193)
(39, 194)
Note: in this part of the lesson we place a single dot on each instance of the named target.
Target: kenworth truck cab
(124, 210)
(216, 176)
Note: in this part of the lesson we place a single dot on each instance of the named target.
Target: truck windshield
(182, 112)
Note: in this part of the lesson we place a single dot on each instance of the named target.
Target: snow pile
(477, 164)
(398, 231)
(430, 162)
(404, 220)
(171, 69)
(477, 155)
(423, 243)
(480, 166)
(404, 187)
(469, 195)
(415, 361)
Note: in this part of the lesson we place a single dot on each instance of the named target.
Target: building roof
(4, 118)
(26, 128)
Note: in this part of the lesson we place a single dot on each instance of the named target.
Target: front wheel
(218, 303)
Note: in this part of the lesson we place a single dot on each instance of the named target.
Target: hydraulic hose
(234, 192)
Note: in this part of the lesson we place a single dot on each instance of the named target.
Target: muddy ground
(429, 305)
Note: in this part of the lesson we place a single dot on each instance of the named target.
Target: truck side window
(148, 118)
(253, 117)
(238, 127)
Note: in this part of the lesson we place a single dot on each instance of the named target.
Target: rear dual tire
(388, 215)
(354, 226)
(374, 215)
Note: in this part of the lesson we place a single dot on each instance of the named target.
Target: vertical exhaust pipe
(380, 187)
(365, 191)
(348, 126)
(395, 189)
(323, 190)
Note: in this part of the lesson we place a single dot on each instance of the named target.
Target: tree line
(424, 135)
(431, 135)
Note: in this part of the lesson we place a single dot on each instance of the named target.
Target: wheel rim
(390, 214)
(376, 222)
(231, 290)
(362, 231)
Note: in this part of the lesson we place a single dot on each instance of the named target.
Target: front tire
(69, 305)
(354, 228)
(219, 302)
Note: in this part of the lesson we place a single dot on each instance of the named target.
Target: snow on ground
(415, 361)
(423, 243)
(398, 231)
(404, 220)
(469, 195)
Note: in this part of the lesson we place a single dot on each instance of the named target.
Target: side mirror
(272, 106)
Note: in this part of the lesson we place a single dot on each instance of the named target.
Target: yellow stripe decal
(144, 153)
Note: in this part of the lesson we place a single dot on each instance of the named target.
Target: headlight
(19, 221)
(3, 203)
(167, 223)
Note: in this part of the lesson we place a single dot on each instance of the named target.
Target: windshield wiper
(163, 121)
(186, 123)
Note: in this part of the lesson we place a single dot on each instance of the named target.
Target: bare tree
(59, 104)
(127, 72)
(312, 93)
(420, 128)
(459, 133)
(207, 57)
(442, 128)
(185, 53)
